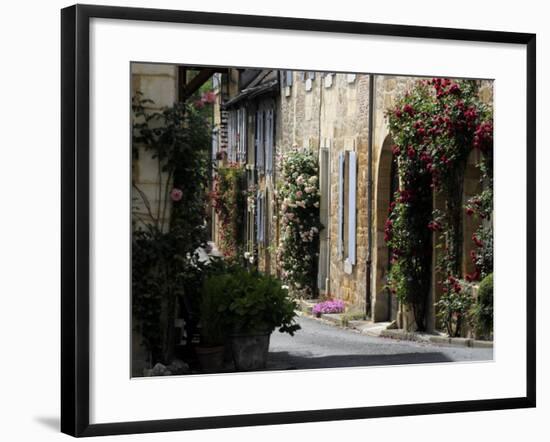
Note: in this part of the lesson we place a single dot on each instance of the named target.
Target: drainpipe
(368, 301)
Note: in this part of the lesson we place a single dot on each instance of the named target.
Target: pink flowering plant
(167, 231)
(434, 126)
(300, 220)
(330, 306)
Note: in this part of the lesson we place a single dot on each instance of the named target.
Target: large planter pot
(210, 358)
(250, 350)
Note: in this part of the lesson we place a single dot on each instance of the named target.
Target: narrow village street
(321, 345)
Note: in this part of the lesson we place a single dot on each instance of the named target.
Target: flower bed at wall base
(330, 306)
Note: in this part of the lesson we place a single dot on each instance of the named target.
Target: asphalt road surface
(320, 345)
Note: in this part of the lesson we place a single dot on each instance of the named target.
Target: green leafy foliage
(454, 306)
(482, 310)
(166, 236)
(212, 330)
(435, 125)
(249, 301)
(300, 219)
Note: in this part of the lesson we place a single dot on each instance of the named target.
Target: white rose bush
(300, 221)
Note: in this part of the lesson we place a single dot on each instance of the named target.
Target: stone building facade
(331, 114)
(259, 114)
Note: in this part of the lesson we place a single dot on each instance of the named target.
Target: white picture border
(114, 397)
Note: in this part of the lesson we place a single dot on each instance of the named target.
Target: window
(324, 211)
(259, 141)
(236, 134)
(288, 78)
(260, 218)
(250, 212)
(286, 82)
(269, 141)
(309, 81)
(265, 140)
(241, 135)
(347, 186)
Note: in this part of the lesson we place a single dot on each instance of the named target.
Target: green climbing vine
(434, 126)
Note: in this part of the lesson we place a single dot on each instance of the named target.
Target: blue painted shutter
(258, 209)
(352, 168)
(260, 141)
(289, 78)
(341, 204)
(242, 135)
(269, 141)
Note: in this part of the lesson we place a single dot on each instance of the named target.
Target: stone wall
(157, 82)
(332, 110)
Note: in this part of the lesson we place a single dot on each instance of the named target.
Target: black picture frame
(75, 211)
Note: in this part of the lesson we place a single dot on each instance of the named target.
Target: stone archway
(384, 305)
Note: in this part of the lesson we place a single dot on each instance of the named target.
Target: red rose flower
(476, 240)
(408, 109)
(454, 89)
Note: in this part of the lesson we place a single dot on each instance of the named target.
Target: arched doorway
(384, 304)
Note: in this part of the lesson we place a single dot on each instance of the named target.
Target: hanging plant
(299, 245)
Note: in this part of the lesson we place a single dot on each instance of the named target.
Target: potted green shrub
(253, 305)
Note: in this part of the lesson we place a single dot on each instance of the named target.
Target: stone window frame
(325, 186)
(328, 79)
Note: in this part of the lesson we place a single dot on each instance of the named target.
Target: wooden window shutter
(258, 217)
(269, 142)
(341, 156)
(352, 167)
(288, 78)
(260, 141)
(242, 135)
(324, 211)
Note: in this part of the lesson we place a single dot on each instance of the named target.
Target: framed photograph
(254, 206)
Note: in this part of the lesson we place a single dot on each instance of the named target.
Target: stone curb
(436, 339)
(379, 331)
